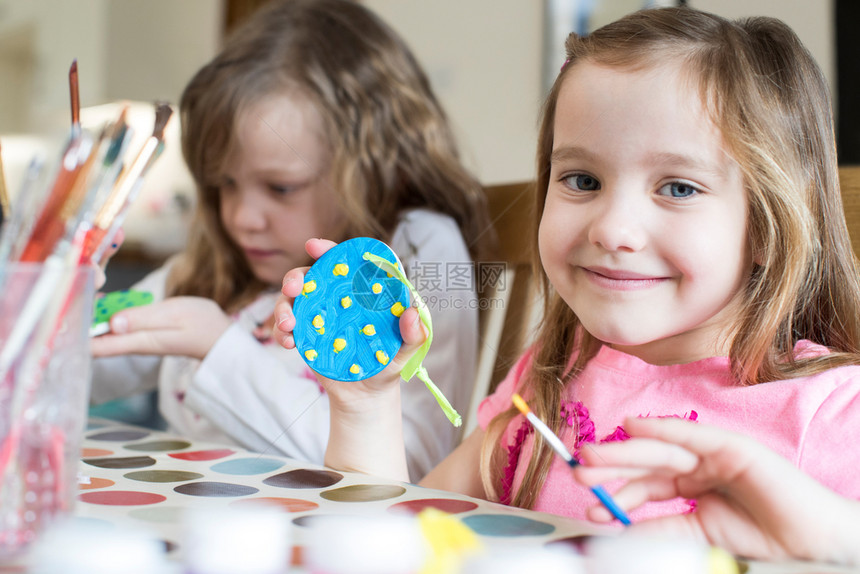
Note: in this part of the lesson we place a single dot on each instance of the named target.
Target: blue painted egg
(347, 315)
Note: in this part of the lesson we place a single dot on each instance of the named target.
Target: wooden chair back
(507, 295)
(849, 181)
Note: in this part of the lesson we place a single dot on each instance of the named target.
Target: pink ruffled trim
(514, 450)
(618, 434)
(576, 415)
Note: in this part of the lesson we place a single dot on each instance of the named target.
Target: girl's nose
(618, 222)
(246, 210)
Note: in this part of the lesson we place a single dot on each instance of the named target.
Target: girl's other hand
(186, 326)
(749, 500)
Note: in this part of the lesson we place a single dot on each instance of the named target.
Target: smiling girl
(315, 120)
(696, 265)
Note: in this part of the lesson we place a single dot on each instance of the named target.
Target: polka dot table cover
(142, 478)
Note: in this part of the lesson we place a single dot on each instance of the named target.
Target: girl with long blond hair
(695, 263)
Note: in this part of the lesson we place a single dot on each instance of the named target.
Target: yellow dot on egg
(309, 286)
(339, 345)
(369, 330)
(341, 269)
(318, 321)
(321, 330)
(355, 369)
(382, 357)
(345, 302)
(310, 354)
(397, 309)
(376, 288)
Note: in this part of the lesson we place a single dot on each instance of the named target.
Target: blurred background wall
(489, 61)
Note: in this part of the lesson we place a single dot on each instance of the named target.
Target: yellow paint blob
(376, 288)
(321, 330)
(310, 354)
(450, 541)
(345, 302)
(382, 357)
(339, 345)
(355, 369)
(318, 321)
(397, 309)
(309, 286)
(341, 269)
(369, 330)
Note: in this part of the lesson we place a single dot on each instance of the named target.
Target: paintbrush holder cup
(45, 313)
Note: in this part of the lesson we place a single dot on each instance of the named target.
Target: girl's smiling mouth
(621, 280)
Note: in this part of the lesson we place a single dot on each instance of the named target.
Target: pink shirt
(812, 421)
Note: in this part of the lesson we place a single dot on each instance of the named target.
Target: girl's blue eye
(582, 182)
(678, 189)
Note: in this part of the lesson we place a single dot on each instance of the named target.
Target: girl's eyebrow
(666, 159)
(688, 162)
(570, 153)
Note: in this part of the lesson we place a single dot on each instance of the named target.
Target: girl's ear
(757, 255)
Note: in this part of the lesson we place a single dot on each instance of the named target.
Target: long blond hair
(391, 144)
(771, 103)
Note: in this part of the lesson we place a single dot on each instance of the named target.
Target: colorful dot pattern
(140, 481)
(347, 315)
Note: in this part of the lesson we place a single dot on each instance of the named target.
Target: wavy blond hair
(771, 103)
(390, 140)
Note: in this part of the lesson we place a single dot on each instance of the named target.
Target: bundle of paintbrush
(71, 220)
(63, 218)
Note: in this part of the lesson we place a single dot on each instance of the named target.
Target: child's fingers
(294, 282)
(160, 315)
(317, 247)
(138, 343)
(699, 438)
(115, 243)
(412, 329)
(112, 248)
(99, 277)
(285, 322)
(594, 475)
(641, 453)
(634, 494)
(414, 333)
(294, 278)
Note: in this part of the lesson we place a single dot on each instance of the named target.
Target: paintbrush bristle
(520, 404)
(74, 93)
(163, 111)
(5, 207)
